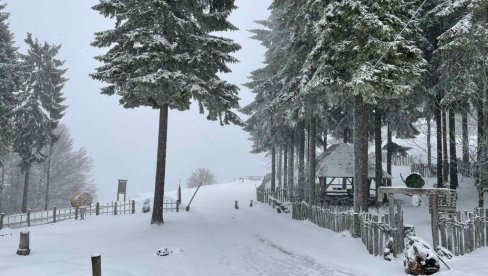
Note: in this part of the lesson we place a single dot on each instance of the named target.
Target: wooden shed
(335, 171)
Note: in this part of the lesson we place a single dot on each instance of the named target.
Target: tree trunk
(377, 150)
(465, 139)
(360, 154)
(345, 138)
(452, 150)
(17, 189)
(481, 174)
(438, 122)
(291, 164)
(2, 187)
(325, 134)
(301, 160)
(48, 178)
(273, 169)
(280, 163)
(445, 175)
(285, 167)
(389, 151)
(26, 191)
(429, 142)
(311, 162)
(157, 214)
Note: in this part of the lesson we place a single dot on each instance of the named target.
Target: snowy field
(212, 239)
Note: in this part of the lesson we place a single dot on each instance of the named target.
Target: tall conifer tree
(163, 54)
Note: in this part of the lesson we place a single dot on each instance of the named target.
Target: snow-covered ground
(212, 239)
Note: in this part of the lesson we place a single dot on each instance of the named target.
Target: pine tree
(40, 106)
(10, 77)
(163, 54)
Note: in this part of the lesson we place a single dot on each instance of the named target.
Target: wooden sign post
(122, 188)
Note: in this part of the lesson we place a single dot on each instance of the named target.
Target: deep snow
(212, 239)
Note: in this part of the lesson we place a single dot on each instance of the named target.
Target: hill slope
(212, 239)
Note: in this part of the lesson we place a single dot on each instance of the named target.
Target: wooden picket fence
(396, 160)
(45, 217)
(373, 230)
(468, 170)
(264, 195)
(464, 232)
(424, 169)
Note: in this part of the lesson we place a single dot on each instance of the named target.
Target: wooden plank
(412, 191)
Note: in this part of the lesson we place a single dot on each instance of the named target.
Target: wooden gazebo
(335, 171)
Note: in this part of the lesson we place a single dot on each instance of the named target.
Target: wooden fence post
(357, 226)
(115, 208)
(96, 265)
(24, 249)
(434, 221)
(97, 209)
(177, 206)
(77, 209)
(54, 214)
(2, 215)
(28, 218)
(134, 206)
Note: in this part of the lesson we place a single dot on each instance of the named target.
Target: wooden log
(443, 233)
(24, 248)
(96, 261)
(54, 214)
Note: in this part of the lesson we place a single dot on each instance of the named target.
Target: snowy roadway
(212, 239)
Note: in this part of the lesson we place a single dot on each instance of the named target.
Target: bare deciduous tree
(201, 175)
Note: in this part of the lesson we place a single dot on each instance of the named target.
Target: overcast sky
(123, 142)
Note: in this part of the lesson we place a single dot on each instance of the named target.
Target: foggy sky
(123, 142)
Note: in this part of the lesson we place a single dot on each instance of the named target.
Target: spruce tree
(163, 54)
(40, 106)
(361, 54)
(10, 77)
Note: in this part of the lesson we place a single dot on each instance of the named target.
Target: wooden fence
(373, 230)
(464, 232)
(44, 217)
(426, 171)
(396, 160)
(280, 194)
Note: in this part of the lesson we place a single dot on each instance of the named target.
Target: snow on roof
(338, 161)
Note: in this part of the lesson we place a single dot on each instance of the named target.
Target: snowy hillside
(212, 239)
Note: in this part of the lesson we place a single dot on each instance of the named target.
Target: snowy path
(212, 239)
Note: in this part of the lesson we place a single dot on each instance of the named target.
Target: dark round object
(415, 180)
